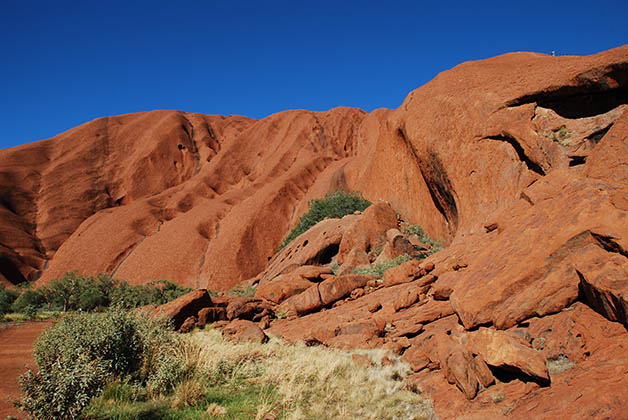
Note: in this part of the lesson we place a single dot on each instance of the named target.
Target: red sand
(16, 353)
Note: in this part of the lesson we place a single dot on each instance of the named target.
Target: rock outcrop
(518, 164)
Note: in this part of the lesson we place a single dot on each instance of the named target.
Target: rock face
(518, 164)
(200, 200)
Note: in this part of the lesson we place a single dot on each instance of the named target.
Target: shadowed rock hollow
(519, 163)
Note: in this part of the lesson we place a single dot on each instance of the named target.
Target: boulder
(315, 247)
(366, 235)
(209, 315)
(188, 325)
(457, 365)
(504, 350)
(416, 358)
(247, 308)
(303, 303)
(361, 360)
(445, 285)
(241, 331)
(282, 287)
(312, 272)
(403, 273)
(408, 297)
(339, 287)
(184, 307)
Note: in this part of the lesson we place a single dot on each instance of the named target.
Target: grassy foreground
(267, 381)
(125, 365)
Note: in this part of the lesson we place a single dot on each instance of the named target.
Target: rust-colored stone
(282, 287)
(402, 273)
(338, 287)
(501, 349)
(240, 331)
(184, 307)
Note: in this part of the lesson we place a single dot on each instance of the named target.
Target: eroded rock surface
(517, 164)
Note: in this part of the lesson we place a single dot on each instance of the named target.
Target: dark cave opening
(9, 270)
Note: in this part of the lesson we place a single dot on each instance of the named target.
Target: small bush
(561, 135)
(111, 336)
(77, 356)
(30, 312)
(62, 390)
(423, 237)
(334, 205)
(188, 393)
(168, 372)
(558, 364)
(7, 297)
(74, 292)
(378, 269)
(242, 291)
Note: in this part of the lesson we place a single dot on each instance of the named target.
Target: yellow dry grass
(308, 382)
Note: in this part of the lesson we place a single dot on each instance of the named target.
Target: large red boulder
(241, 331)
(501, 349)
(336, 288)
(184, 307)
(282, 287)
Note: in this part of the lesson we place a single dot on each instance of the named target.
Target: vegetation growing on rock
(334, 205)
(378, 269)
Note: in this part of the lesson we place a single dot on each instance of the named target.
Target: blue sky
(67, 62)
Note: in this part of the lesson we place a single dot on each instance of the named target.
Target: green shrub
(378, 269)
(334, 205)
(560, 135)
(156, 292)
(111, 336)
(168, 372)
(62, 390)
(74, 292)
(7, 297)
(32, 298)
(30, 312)
(77, 357)
(242, 291)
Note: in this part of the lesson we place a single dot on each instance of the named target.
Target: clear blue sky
(64, 63)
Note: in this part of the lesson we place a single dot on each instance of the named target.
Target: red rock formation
(200, 200)
(519, 163)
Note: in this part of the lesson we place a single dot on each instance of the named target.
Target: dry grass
(187, 393)
(307, 382)
(216, 410)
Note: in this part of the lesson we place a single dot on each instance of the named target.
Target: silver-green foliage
(77, 357)
(63, 390)
(168, 371)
